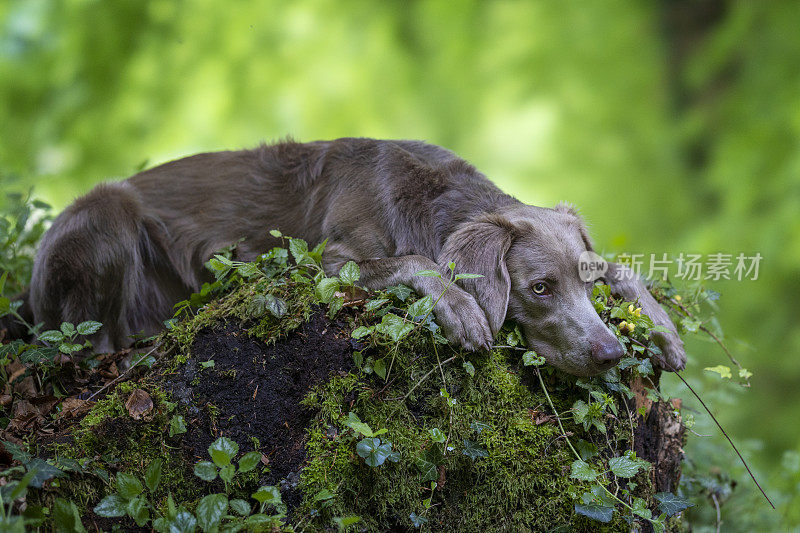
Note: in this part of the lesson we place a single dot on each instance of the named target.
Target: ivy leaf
(128, 486)
(43, 471)
(670, 504)
(373, 452)
(89, 327)
(600, 513)
(624, 467)
(583, 471)
(222, 451)
(112, 506)
(394, 326)
(744, 373)
(326, 288)
(51, 335)
(152, 476)
(210, 511)
(421, 307)
(473, 451)
(350, 273)
(429, 470)
(530, 358)
(437, 435)
(723, 371)
(205, 470)
(177, 425)
(469, 367)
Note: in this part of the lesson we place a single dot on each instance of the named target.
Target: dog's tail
(10, 326)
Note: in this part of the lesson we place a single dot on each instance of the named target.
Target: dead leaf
(5, 400)
(73, 407)
(26, 388)
(139, 404)
(264, 460)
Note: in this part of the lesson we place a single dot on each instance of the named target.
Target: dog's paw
(462, 320)
(673, 355)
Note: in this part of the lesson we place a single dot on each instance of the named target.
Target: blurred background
(674, 126)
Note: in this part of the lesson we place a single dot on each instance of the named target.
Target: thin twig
(716, 505)
(708, 331)
(753, 477)
(121, 376)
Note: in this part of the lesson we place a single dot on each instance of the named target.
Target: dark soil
(255, 389)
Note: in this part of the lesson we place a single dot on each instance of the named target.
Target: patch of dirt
(254, 390)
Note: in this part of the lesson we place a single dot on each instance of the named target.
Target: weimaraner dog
(126, 252)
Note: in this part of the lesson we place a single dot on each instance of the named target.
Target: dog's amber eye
(540, 289)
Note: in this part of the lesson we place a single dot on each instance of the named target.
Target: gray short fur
(125, 252)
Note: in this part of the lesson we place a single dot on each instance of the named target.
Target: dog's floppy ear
(480, 247)
(570, 209)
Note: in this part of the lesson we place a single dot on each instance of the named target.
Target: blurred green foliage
(673, 125)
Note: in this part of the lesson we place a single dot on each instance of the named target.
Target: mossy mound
(392, 430)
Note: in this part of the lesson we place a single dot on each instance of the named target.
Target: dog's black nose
(607, 352)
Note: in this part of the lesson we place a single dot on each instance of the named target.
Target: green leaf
(417, 520)
(227, 472)
(400, 291)
(373, 452)
(375, 304)
(530, 358)
(430, 472)
(394, 326)
(247, 270)
(437, 435)
(355, 423)
(138, 510)
(469, 367)
(670, 504)
(66, 517)
(89, 327)
(249, 461)
(43, 471)
(222, 451)
(267, 494)
(744, 373)
(299, 250)
(205, 470)
(585, 449)
(349, 273)
(723, 371)
(583, 471)
(68, 329)
(276, 233)
(600, 513)
(360, 332)
(152, 476)
(473, 451)
(326, 288)
(184, 522)
(51, 335)
(379, 367)
(177, 425)
(240, 507)
(276, 306)
(421, 307)
(623, 466)
(429, 274)
(112, 506)
(210, 511)
(128, 486)
(468, 276)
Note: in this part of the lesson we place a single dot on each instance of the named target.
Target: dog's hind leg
(90, 266)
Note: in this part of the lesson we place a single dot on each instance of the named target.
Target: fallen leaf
(139, 404)
(26, 388)
(5, 400)
(73, 407)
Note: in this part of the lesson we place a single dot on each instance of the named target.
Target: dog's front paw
(673, 355)
(462, 320)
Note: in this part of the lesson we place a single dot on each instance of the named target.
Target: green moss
(523, 483)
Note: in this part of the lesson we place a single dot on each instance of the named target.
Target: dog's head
(529, 259)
